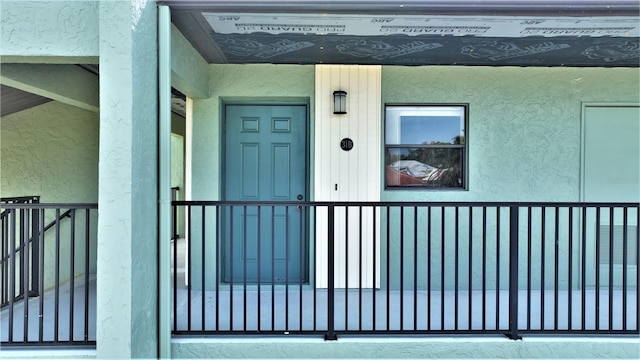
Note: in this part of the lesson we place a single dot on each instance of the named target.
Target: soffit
(13, 100)
(489, 33)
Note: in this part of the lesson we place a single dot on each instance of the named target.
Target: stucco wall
(55, 31)
(524, 136)
(50, 150)
(524, 141)
(524, 124)
(271, 83)
(235, 83)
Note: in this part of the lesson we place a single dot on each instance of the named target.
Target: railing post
(331, 334)
(22, 241)
(513, 273)
(35, 249)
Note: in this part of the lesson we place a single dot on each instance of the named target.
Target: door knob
(300, 197)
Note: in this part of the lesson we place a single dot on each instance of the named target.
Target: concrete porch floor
(306, 309)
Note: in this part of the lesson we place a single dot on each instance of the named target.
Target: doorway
(265, 161)
(611, 173)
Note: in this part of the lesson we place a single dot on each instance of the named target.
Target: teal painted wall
(188, 68)
(271, 83)
(524, 124)
(524, 136)
(63, 31)
(51, 150)
(231, 83)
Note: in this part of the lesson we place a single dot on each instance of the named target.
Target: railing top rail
(406, 203)
(19, 199)
(51, 206)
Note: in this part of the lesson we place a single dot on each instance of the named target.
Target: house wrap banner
(370, 25)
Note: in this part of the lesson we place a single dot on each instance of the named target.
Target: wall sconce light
(339, 102)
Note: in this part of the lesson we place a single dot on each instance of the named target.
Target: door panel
(611, 173)
(265, 160)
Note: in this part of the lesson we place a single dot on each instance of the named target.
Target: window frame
(464, 147)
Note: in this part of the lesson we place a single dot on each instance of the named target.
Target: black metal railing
(174, 214)
(53, 262)
(406, 268)
(29, 290)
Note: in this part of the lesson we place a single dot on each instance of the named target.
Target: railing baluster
(35, 239)
(484, 268)
(72, 246)
(388, 239)
(442, 266)
(470, 271)
(24, 258)
(570, 260)
(584, 269)
(429, 262)
(346, 268)
(528, 257)
(499, 229)
(41, 282)
(259, 261)
(360, 269)
(87, 232)
(244, 268)
(286, 267)
(330, 334)
(514, 227)
(314, 256)
(624, 269)
(611, 217)
(273, 269)
(175, 282)
(415, 268)
(189, 266)
(637, 268)
(597, 269)
(219, 267)
(22, 285)
(455, 268)
(12, 270)
(57, 279)
(4, 253)
(204, 268)
(543, 261)
(231, 260)
(556, 267)
(302, 262)
(401, 269)
(373, 267)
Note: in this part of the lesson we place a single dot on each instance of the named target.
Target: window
(425, 146)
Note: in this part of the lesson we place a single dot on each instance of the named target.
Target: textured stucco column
(127, 285)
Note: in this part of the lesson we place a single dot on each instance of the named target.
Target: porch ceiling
(413, 32)
(13, 100)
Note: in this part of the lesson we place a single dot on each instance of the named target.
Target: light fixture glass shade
(339, 102)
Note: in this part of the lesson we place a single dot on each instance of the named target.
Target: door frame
(307, 173)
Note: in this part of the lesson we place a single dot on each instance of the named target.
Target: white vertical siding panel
(356, 172)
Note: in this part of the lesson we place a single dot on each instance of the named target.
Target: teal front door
(265, 160)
